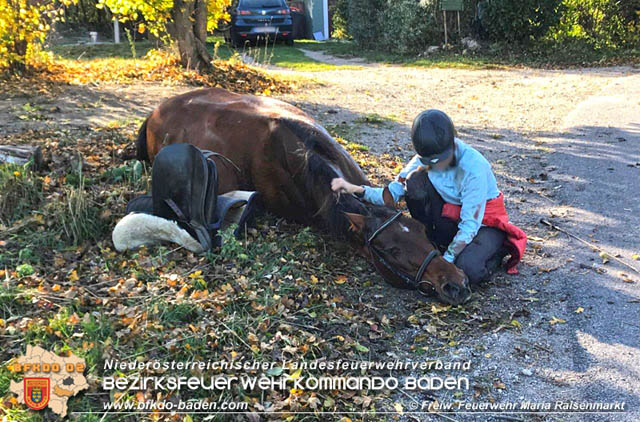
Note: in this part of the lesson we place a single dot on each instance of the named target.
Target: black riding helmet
(432, 135)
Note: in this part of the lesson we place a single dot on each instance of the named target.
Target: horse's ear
(356, 222)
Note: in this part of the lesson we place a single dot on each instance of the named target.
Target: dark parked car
(259, 19)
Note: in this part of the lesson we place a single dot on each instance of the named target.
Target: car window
(261, 3)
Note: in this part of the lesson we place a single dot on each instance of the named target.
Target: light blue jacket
(470, 183)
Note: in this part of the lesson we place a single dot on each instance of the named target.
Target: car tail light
(282, 12)
(245, 12)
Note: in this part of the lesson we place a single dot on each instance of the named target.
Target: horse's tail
(141, 143)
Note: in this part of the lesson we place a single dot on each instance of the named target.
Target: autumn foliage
(157, 66)
(24, 24)
(156, 13)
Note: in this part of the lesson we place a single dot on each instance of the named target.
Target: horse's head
(401, 252)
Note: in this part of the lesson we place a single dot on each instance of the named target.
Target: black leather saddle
(184, 188)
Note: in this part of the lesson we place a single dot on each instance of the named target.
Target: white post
(444, 14)
(325, 13)
(116, 32)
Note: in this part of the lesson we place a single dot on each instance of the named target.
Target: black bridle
(378, 259)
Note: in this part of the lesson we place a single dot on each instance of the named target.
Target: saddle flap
(139, 228)
(238, 207)
(184, 188)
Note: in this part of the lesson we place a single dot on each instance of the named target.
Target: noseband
(378, 259)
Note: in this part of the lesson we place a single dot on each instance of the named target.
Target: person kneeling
(450, 187)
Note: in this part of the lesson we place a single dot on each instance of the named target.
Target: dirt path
(565, 145)
(337, 61)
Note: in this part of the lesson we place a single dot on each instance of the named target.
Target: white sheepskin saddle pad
(141, 228)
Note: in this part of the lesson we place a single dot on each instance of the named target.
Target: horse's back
(216, 119)
(269, 140)
(214, 100)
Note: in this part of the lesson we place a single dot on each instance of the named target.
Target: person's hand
(342, 186)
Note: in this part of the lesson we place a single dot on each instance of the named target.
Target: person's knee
(417, 185)
(475, 270)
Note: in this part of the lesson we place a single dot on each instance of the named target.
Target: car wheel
(289, 41)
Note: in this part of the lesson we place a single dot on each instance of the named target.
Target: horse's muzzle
(455, 294)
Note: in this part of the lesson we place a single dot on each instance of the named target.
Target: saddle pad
(140, 227)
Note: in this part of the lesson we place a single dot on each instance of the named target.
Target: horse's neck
(332, 213)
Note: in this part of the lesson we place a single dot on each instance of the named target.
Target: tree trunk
(17, 66)
(188, 27)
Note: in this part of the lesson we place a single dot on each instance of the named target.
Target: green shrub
(339, 18)
(520, 22)
(364, 21)
(600, 23)
(409, 26)
(398, 26)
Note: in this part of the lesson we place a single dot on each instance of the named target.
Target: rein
(377, 258)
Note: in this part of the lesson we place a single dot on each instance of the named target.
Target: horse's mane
(321, 158)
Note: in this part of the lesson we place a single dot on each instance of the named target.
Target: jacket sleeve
(397, 187)
(471, 214)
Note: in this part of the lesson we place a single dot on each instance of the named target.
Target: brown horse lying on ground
(278, 150)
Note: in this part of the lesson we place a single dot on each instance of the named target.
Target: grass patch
(79, 214)
(20, 192)
(493, 56)
(277, 54)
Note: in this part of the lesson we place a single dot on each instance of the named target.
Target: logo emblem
(36, 392)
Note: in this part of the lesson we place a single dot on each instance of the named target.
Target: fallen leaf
(579, 310)
(398, 408)
(625, 277)
(341, 279)
(329, 402)
(73, 276)
(361, 348)
(555, 320)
